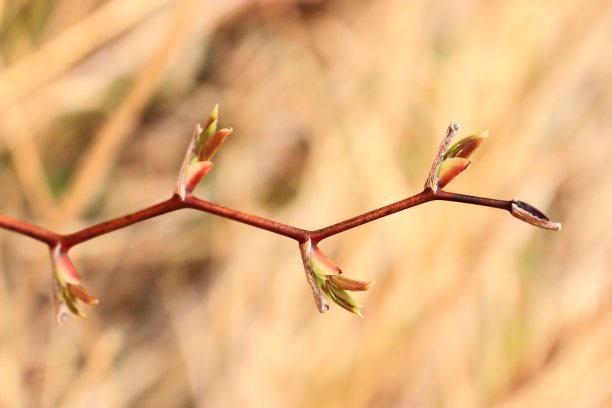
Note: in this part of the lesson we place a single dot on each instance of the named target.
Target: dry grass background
(338, 108)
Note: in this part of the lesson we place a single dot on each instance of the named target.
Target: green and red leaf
(466, 146)
(451, 168)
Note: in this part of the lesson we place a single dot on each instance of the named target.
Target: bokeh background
(338, 108)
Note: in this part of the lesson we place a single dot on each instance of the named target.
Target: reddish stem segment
(249, 219)
(172, 204)
(422, 197)
(175, 203)
(418, 199)
(468, 199)
(31, 230)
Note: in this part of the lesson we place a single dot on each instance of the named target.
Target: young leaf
(212, 144)
(321, 264)
(344, 283)
(451, 168)
(466, 146)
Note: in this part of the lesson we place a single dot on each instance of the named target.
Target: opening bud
(325, 277)
(204, 144)
(67, 288)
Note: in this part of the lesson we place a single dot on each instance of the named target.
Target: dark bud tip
(530, 214)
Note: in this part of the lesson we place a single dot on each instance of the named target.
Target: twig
(33, 231)
(321, 273)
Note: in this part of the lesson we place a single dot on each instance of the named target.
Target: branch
(170, 205)
(421, 198)
(275, 227)
(323, 276)
(30, 230)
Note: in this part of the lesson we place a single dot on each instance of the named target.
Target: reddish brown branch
(31, 230)
(249, 219)
(422, 197)
(320, 271)
(70, 240)
(417, 199)
(301, 235)
(468, 199)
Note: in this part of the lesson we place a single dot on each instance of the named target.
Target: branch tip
(531, 215)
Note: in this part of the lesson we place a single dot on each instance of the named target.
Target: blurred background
(338, 108)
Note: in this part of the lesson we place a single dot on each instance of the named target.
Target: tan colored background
(338, 108)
